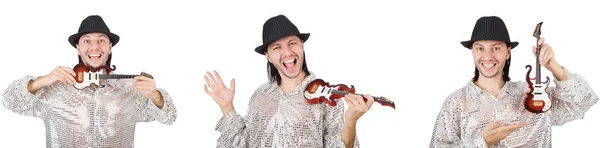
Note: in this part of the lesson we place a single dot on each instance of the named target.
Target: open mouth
(94, 56)
(489, 66)
(290, 64)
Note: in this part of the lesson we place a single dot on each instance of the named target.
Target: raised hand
(221, 94)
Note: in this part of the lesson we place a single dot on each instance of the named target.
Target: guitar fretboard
(379, 99)
(117, 76)
(538, 75)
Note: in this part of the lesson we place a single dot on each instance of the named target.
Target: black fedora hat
(93, 24)
(489, 28)
(278, 27)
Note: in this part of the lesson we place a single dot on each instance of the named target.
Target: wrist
(350, 123)
(157, 99)
(226, 108)
(35, 85)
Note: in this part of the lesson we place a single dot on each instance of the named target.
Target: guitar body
(86, 77)
(319, 91)
(537, 100)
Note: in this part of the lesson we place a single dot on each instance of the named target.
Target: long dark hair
(505, 69)
(274, 75)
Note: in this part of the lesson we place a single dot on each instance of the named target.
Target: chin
(292, 74)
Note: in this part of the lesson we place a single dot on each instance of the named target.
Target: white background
(408, 52)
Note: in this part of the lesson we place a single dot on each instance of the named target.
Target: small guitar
(85, 76)
(537, 100)
(319, 91)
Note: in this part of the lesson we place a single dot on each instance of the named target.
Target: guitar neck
(380, 99)
(538, 75)
(104, 76)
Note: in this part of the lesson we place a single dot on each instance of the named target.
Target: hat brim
(469, 44)
(263, 48)
(74, 39)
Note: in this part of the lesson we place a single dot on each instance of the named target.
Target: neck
(287, 84)
(490, 85)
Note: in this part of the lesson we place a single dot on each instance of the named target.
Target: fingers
(206, 89)
(219, 81)
(68, 70)
(493, 125)
(64, 76)
(213, 80)
(358, 100)
(349, 101)
(232, 84)
(144, 83)
(542, 53)
(541, 41)
(370, 100)
(534, 49)
(548, 55)
(142, 78)
(208, 82)
(510, 128)
(68, 74)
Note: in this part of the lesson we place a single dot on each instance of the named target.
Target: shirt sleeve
(233, 127)
(334, 124)
(19, 100)
(150, 112)
(447, 130)
(571, 99)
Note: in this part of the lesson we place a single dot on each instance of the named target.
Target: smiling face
(94, 48)
(490, 57)
(287, 54)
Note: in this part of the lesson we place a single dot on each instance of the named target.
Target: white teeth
(94, 55)
(488, 65)
(288, 61)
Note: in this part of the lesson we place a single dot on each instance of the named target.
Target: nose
(95, 46)
(287, 50)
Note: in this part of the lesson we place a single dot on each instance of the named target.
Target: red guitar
(537, 100)
(85, 76)
(319, 91)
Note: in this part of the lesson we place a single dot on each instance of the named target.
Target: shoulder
(456, 98)
(517, 87)
(263, 88)
(458, 94)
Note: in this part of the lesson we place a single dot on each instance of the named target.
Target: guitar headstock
(538, 30)
(147, 75)
(385, 101)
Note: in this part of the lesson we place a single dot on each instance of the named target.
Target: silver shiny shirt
(92, 117)
(467, 111)
(276, 119)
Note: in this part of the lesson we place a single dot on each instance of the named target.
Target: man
(94, 116)
(278, 115)
(489, 110)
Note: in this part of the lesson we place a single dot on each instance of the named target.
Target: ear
(77, 48)
(267, 55)
(509, 51)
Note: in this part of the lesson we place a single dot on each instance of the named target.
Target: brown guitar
(86, 76)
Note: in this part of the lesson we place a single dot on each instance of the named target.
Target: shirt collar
(273, 85)
(475, 91)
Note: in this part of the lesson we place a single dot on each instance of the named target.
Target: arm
(165, 112)
(19, 99)
(233, 129)
(338, 134)
(447, 130)
(571, 97)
